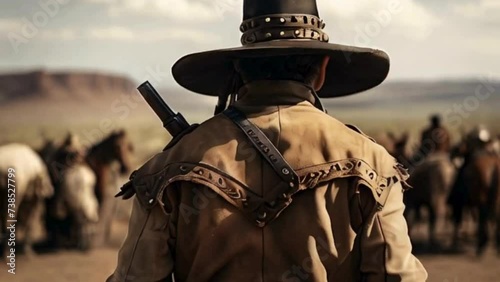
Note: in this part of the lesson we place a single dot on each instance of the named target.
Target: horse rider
(474, 143)
(479, 140)
(435, 138)
(272, 188)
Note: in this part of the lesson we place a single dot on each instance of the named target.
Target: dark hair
(302, 68)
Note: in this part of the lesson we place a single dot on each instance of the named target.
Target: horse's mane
(103, 143)
(101, 148)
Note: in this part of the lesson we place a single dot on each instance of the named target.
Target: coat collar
(274, 93)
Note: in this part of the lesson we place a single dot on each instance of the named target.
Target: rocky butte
(59, 86)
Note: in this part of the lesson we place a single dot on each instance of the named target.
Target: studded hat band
(283, 26)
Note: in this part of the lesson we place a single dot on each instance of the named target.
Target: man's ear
(320, 80)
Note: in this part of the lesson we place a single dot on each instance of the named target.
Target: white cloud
(411, 20)
(425, 38)
(490, 4)
(482, 11)
(179, 10)
(348, 9)
(112, 32)
(193, 35)
(363, 22)
(485, 45)
(414, 21)
(59, 34)
(118, 33)
(9, 24)
(127, 34)
(100, 1)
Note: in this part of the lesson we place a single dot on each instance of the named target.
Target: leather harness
(263, 145)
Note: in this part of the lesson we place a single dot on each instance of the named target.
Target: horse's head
(72, 142)
(401, 147)
(71, 149)
(401, 143)
(122, 150)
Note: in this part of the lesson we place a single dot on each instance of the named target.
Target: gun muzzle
(173, 123)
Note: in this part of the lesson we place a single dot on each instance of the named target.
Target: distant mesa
(69, 85)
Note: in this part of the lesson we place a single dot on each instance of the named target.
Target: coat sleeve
(386, 250)
(146, 255)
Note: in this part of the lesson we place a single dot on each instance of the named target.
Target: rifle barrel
(155, 101)
(174, 123)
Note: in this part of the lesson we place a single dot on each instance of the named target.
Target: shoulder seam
(357, 130)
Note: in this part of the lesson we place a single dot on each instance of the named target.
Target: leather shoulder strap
(263, 145)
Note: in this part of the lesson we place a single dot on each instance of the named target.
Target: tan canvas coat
(211, 209)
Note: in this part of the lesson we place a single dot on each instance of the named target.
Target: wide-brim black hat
(281, 28)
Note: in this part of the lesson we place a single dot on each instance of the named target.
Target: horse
(431, 181)
(72, 211)
(477, 188)
(77, 189)
(100, 157)
(431, 176)
(32, 186)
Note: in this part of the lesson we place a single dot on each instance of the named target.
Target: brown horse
(431, 179)
(477, 188)
(115, 148)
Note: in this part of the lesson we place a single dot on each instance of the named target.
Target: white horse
(73, 211)
(31, 187)
(78, 202)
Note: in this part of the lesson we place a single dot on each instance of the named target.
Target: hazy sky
(428, 39)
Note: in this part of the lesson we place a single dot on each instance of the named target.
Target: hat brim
(351, 69)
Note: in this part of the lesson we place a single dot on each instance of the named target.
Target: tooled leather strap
(263, 145)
